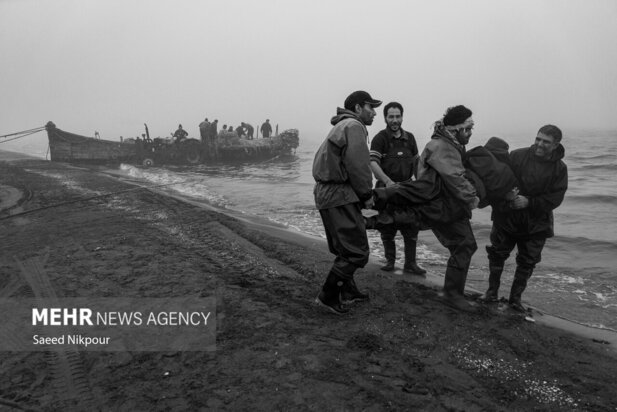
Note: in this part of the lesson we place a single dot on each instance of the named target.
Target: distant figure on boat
(214, 126)
(240, 130)
(266, 129)
(204, 130)
(249, 131)
(180, 134)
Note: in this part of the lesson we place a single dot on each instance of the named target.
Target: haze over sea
(576, 278)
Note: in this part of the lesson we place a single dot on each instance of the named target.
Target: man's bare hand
(390, 183)
(368, 204)
(519, 202)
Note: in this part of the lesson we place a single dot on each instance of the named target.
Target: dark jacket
(490, 165)
(341, 165)
(266, 129)
(544, 182)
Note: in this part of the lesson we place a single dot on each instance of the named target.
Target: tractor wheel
(192, 152)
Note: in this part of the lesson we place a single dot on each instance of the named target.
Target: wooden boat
(73, 148)
(227, 147)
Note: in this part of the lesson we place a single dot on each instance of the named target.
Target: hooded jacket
(491, 165)
(341, 165)
(544, 182)
(443, 156)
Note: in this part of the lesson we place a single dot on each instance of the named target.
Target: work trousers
(346, 234)
(529, 249)
(458, 238)
(410, 237)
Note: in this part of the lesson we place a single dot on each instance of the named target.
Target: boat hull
(73, 148)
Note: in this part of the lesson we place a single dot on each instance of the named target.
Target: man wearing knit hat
(343, 187)
(442, 161)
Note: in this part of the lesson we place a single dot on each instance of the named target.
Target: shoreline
(275, 349)
(602, 335)
(10, 196)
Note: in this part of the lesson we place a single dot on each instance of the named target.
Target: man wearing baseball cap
(343, 187)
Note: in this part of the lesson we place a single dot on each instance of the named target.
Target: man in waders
(527, 221)
(394, 156)
(343, 187)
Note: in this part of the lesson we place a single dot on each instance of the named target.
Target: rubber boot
(494, 280)
(329, 297)
(389, 248)
(350, 292)
(411, 267)
(518, 287)
(454, 288)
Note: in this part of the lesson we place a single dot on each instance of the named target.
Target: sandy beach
(94, 235)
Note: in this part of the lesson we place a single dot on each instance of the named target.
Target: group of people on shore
(437, 190)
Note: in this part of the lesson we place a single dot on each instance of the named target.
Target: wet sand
(97, 236)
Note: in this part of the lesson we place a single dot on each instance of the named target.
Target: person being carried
(343, 187)
(526, 221)
(394, 156)
(488, 168)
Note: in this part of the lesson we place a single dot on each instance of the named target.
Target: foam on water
(186, 185)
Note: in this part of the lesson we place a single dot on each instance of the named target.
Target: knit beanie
(495, 143)
(456, 115)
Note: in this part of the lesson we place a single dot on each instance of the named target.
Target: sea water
(576, 278)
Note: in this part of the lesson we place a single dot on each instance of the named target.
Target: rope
(36, 129)
(21, 134)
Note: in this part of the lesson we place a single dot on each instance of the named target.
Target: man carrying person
(441, 162)
(343, 187)
(394, 155)
(527, 221)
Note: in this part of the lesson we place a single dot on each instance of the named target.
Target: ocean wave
(584, 157)
(174, 181)
(593, 198)
(604, 166)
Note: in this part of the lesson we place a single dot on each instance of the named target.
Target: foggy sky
(110, 66)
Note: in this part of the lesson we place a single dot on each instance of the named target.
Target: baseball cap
(360, 97)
